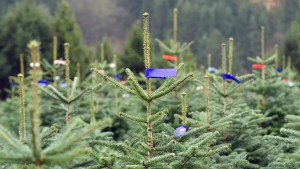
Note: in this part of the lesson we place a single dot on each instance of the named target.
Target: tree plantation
(161, 104)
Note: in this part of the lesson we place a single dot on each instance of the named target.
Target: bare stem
(230, 54)
(148, 84)
(224, 70)
(116, 90)
(102, 53)
(276, 53)
(54, 55)
(263, 50)
(175, 12)
(78, 72)
(34, 114)
(146, 40)
(115, 61)
(68, 116)
(209, 60)
(22, 64)
(22, 129)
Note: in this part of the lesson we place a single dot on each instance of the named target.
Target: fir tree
(292, 44)
(145, 157)
(36, 151)
(23, 23)
(272, 82)
(67, 31)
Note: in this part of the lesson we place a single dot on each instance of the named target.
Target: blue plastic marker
(212, 70)
(226, 76)
(179, 131)
(43, 82)
(63, 85)
(12, 84)
(160, 73)
(117, 77)
(278, 70)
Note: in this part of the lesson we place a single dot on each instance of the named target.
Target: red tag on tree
(168, 57)
(258, 66)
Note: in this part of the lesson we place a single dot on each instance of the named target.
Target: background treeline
(86, 24)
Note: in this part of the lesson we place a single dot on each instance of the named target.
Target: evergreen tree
(21, 24)
(292, 43)
(290, 138)
(40, 149)
(107, 52)
(67, 31)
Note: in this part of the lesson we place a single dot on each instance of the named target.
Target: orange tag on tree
(258, 66)
(168, 57)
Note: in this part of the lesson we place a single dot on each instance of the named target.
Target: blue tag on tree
(117, 77)
(43, 82)
(212, 70)
(12, 84)
(226, 76)
(63, 85)
(179, 131)
(160, 73)
(278, 70)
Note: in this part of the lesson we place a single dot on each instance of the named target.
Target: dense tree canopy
(292, 44)
(21, 24)
(207, 23)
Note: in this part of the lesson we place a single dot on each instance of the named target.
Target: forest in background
(113, 22)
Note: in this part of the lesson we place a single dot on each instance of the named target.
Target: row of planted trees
(164, 118)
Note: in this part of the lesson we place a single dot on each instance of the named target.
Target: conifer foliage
(169, 118)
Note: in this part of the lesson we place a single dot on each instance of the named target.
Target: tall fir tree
(292, 43)
(23, 23)
(67, 31)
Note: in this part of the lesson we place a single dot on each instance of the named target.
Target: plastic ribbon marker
(122, 81)
(59, 62)
(117, 77)
(63, 85)
(35, 65)
(168, 57)
(258, 66)
(160, 73)
(179, 131)
(279, 70)
(43, 82)
(12, 84)
(212, 70)
(112, 65)
(230, 77)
